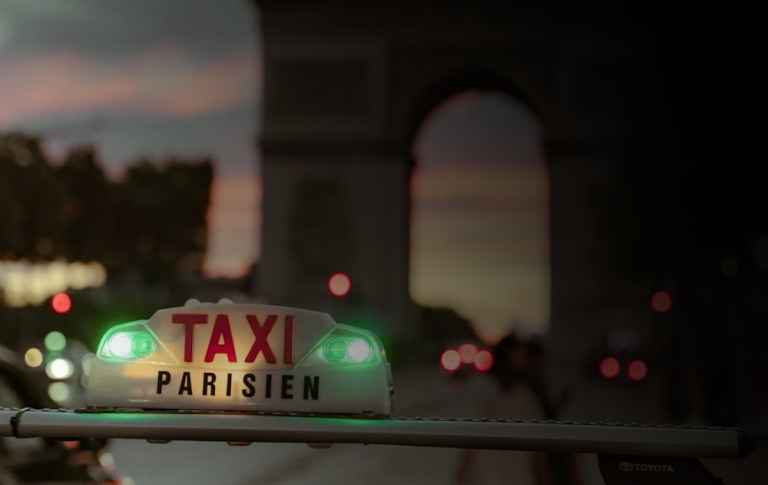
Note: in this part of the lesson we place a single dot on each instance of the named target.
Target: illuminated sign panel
(241, 357)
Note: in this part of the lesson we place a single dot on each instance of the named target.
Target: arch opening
(480, 213)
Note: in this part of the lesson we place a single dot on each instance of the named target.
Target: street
(379, 465)
(418, 392)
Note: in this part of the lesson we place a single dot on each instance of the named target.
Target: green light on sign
(339, 350)
(359, 350)
(143, 345)
(335, 350)
(130, 345)
(120, 345)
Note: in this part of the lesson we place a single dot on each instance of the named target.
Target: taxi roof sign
(207, 372)
(243, 357)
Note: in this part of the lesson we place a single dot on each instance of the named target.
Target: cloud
(160, 81)
(490, 293)
(235, 226)
(234, 197)
(468, 205)
(227, 137)
(480, 241)
(481, 235)
(480, 188)
(169, 78)
(120, 28)
(462, 206)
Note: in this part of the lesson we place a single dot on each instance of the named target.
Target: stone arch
(431, 99)
(417, 92)
(441, 87)
(348, 84)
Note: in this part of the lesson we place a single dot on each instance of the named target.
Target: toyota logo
(626, 466)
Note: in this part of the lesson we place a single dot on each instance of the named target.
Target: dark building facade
(347, 85)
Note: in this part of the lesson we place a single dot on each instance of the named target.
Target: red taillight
(610, 368)
(61, 303)
(450, 360)
(637, 370)
(339, 284)
(70, 445)
(661, 302)
(483, 361)
(467, 352)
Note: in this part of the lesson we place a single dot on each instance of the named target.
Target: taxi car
(622, 358)
(282, 371)
(466, 357)
(244, 358)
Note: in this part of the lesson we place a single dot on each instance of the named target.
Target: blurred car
(460, 359)
(36, 460)
(622, 358)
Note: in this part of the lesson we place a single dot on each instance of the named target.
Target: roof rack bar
(613, 438)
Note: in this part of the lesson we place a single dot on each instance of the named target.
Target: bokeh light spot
(467, 352)
(59, 369)
(339, 284)
(483, 361)
(450, 360)
(55, 341)
(59, 391)
(610, 367)
(637, 370)
(661, 302)
(33, 357)
(61, 303)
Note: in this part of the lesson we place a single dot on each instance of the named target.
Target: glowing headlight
(358, 350)
(126, 342)
(345, 346)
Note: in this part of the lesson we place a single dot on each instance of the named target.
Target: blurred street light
(637, 370)
(33, 357)
(450, 360)
(55, 341)
(59, 391)
(661, 301)
(610, 367)
(468, 352)
(339, 284)
(60, 369)
(61, 303)
(483, 361)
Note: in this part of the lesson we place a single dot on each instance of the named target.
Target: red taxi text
(222, 342)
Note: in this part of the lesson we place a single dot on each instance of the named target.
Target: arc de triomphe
(346, 86)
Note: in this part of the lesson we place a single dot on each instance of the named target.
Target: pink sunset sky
(183, 78)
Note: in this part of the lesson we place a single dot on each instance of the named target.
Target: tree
(163, 211)
(32, 218)
(153, 222)
(88, 207)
